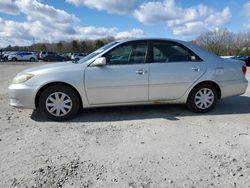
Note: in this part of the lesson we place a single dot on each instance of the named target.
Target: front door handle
(141, 72)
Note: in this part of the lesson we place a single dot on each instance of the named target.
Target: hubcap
(58, 104)
(204, 98)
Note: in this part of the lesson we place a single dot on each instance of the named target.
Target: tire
(14, 59)
(66, 97)
(202, 98)
(32, 59)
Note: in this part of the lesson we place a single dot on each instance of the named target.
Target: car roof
(143, 39)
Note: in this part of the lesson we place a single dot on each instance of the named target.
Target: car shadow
(232, 105)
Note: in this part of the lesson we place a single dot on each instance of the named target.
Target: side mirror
(99, 61)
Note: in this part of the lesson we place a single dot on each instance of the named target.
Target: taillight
(244, 69)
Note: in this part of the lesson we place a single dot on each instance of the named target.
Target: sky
(23, 22)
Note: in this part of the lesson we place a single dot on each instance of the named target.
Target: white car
(130, 72)
(6, 54)
(23, 56)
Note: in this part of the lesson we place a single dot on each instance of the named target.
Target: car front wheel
(14, 59)
(202, 98)
(59, 102)
(32, 59)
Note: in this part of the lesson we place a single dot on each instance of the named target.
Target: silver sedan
(130, 72)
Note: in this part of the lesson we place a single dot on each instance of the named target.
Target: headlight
(22, 78)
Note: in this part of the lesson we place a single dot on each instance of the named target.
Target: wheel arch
(38, 94)
(218, 89)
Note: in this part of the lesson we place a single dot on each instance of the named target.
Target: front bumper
(22, 96)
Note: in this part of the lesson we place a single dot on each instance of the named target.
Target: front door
(124, 78)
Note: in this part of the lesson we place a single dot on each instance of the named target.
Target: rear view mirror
(99, 61)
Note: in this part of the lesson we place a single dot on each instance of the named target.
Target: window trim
(126, 43)
(151, 52)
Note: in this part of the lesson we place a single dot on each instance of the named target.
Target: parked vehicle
(77, 56)
(129, 72)
(66, 56)
(53, 57)
(43, 54)
(1, 54)
(22, 56)
(228, 57)
(246, 59)
(6, 54)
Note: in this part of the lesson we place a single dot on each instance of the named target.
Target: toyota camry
(130, 72)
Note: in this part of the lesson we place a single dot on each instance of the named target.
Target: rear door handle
(197, 69)
(141, 72)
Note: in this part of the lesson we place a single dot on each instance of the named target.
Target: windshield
(98, 51)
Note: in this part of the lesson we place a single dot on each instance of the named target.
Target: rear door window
(172, 52)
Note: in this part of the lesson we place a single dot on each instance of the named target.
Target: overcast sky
(22, 21)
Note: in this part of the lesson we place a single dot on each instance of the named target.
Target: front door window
(131, 53)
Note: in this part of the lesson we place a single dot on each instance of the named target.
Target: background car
(1, 54)
(53, 57)
(43, 54)
(77, 56)
(246, 59)
(65, 55)
(23, 56)
(6, 54)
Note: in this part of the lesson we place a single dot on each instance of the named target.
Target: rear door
(124, 79)
(173, 69)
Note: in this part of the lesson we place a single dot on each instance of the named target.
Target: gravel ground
(138, 146)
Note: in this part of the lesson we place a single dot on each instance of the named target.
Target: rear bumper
(233, 87)
(22, 96)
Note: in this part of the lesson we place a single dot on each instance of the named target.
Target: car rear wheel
(59, 102)
(202, 98)
(14, 59)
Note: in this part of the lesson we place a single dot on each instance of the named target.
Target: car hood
(49, 67)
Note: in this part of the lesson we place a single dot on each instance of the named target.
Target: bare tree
(224, 42)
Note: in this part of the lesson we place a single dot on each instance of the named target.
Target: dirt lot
(145, 146)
